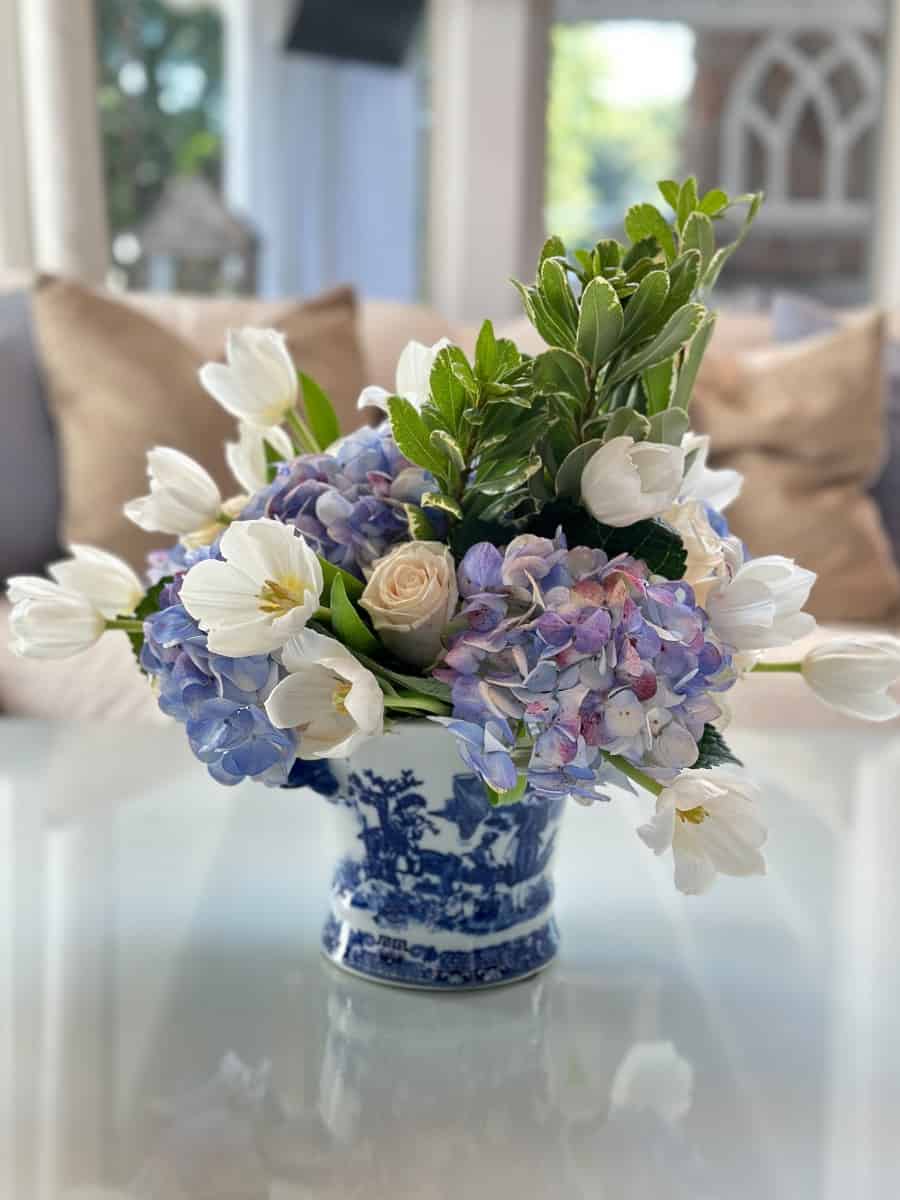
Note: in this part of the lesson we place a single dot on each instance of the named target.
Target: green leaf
(668, 427)
(669, 191)
(600, 322)
(659, 386)
(557, 372)
(645, 306)
(646, 221)
(698, 234)
(714, 202)
(320, 414)
(347, 624)
(412, 436)
(651, 541)
(687, 374)
(487, 356)
(687, 201)
(444, 503)
(557, 294)
(607, 254)
(513, 796)
(352, 586)
(679, 329)
(684, 276)
(568, 477)
(497, 477)
(646, 248)
(420, 528)
(714, 751)
(585, 260)
(448, 396)
(721, 257)
(445, 444)
(554, 247)
(425, 685)
(625, 422)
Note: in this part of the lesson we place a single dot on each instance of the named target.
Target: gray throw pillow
(29, 470)
(796, 317)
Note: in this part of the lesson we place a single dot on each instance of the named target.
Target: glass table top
(168, 1030)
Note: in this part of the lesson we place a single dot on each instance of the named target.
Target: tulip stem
(425, 703)
(301, 434)
(126, 625)
(322, 614)
(793, 668)
(635, 774)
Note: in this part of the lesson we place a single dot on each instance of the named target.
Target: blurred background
(419, 150)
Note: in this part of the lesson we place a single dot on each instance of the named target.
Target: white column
(68, 204)
(489, 92)
(15, 204)
(886, 245)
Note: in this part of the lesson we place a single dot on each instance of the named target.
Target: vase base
(392, 961)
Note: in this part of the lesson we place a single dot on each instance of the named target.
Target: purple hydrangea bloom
(585, 654)
(347, 503)
(220, 700)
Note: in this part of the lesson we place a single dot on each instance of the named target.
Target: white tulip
(711, 560)
(653, 1077)
(761, 606)
(329, 698)
(47, 621)
(264, 592)
(411, 596)
(853, 675)
(718, 489)
(627, 481)
(711, 823)
(413, 378)
(246, 457)
(259, 384)
(183, 499)
(108, 583)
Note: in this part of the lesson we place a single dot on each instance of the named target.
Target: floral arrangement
(529, 550)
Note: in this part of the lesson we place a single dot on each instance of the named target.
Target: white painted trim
(887, 234)
(16, 249)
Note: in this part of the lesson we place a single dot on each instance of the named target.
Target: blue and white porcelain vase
(434, 888)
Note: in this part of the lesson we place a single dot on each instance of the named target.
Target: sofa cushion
(804, 423)
(29, 485)
(120, 381)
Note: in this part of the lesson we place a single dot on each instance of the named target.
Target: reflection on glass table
(169, 1031)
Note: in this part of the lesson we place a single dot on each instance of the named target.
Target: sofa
(103, 683)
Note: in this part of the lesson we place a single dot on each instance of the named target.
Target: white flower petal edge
(761, 606)
(627, 481)
(47, 621)
(653, 1077)
(108, 583)
(716, 488)
(264, 592)
(853, 675)
(259, 383)
(710, 821)
(246, 457)
(328, 697)
(183, 497)
(413, 376)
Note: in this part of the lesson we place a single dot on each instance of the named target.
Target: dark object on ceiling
(369, 31)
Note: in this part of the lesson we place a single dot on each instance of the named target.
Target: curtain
(52, 204)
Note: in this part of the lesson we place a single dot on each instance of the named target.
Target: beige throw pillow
(804, 423)
(119, 382)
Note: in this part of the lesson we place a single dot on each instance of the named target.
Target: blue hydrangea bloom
(219, 700)
(586, 654)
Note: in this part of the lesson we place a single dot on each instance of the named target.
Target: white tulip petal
(183, 497)
(717, 488)
(108, 582)
(694, 873)
(48, 622)
(373, 397)
(626, 481)
(259, 383)
(853, 675)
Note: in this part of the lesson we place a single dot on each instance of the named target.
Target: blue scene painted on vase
(423, 879)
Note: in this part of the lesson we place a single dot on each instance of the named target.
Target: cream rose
(710, 559)
(411, 596)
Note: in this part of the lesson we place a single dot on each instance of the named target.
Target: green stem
(422, 703)
(635, 774)
(792, 668)
(301, 434)
(126, 625)
(322, 614)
